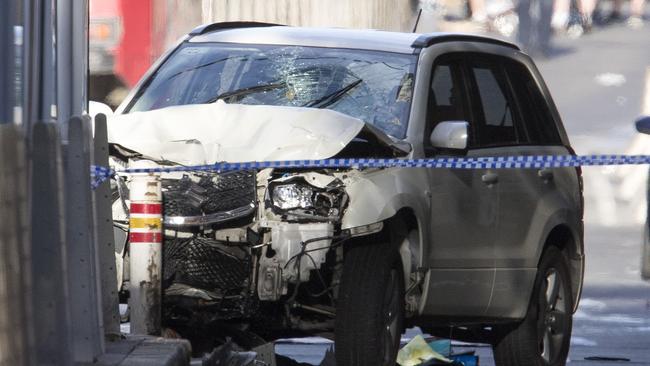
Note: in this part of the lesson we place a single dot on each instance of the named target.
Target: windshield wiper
(246, 91)
(332, 98)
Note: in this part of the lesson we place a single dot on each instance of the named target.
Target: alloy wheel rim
(552, 317)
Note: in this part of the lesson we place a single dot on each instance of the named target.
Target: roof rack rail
(427, 40)
(207, 28)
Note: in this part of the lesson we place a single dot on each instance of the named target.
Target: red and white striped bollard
(145, 251)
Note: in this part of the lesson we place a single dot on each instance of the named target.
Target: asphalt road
(597, 82)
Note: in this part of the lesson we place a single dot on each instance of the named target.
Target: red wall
(135, 53)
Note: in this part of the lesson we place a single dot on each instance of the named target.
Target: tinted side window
(497, 126)
(538, 120)
(446, 96)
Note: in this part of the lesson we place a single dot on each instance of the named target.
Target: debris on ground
(465, 359)
(417, 352)
(437, 352)
(442, 346)
(228, 355)
(328, 360)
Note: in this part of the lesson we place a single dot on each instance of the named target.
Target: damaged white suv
(491, 255)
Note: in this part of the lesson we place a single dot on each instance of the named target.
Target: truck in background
(124, 41)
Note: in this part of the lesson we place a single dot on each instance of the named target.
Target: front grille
(232, 190)
(206, 264)
(214, 198)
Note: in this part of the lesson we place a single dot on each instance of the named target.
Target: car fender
(561, 217)
(567, 219)
(377, 195)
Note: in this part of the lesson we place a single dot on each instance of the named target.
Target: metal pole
(40, 56)
(7, 62)
(14, 320)
(145, 250)
(105, 237)
(83, 261)
(72, 58)
(53, 339)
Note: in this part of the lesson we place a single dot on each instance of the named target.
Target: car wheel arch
(405, 231)
(568, 242)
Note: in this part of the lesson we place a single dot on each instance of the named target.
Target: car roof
(250, 33)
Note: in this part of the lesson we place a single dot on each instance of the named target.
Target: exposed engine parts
(225, 259)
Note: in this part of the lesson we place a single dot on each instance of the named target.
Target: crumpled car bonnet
(209, 133)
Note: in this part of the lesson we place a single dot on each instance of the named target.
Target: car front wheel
(370, 308)
(543, 337)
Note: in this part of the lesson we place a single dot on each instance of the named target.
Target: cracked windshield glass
(375, 87)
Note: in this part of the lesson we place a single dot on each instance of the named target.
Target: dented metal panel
(208, 133)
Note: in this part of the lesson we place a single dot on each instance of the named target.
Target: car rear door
(514, 120)
(528, 197)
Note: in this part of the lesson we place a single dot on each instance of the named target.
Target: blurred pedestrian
(587, 8)
(635, 19)
(534, 34)
(561, 15)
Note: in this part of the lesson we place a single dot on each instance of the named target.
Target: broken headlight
(296, 200)
(291, 196)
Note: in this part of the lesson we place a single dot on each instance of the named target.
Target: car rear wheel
(370, 309)
(542, 338)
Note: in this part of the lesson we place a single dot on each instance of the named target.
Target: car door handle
(490, 178)
(545, 174)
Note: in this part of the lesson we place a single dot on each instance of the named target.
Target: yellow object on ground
(417, 351)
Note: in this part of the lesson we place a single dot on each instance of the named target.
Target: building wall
(394, 15)
(174, 19)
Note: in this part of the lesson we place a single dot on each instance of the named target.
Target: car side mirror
(450, 135)
(643, 125)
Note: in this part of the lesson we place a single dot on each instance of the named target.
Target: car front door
(463, 205)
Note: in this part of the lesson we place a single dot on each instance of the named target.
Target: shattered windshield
(375, 87)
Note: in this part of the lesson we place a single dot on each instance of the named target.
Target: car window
(495, 106)
(373, 86)
(536, 115)
(446, 96)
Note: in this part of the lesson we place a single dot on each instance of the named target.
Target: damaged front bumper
(236, 242)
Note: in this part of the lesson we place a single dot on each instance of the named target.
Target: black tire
(543, 337)
(370, 308)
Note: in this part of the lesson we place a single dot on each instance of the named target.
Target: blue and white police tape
(100, 174)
